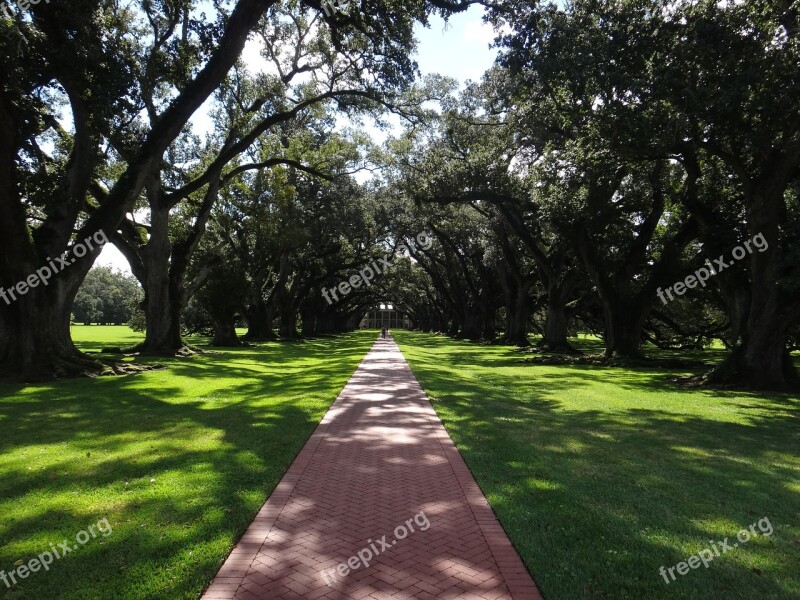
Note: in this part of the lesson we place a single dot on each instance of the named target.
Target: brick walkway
(378, 460)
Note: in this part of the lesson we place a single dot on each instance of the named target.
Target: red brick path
(378, 458)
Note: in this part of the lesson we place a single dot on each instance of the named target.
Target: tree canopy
(625, 168)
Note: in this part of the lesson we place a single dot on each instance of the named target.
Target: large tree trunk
(517, 327)
(517, 309)
(555, 329)
(288, 322)
(737, 306)
(308, 317)
(453, 327)
(472, 327)
(325, 323)
(225, 332)
(762, 360)
(333, 322)
(556, 326)
(35, 341)
(490, 326)
(163, 302)
(624, 328)
(328, 323)
(163, 320)
(259, 322)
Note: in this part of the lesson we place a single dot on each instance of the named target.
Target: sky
(458, 49)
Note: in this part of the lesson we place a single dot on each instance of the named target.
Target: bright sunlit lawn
(602, 475)
(178, 460)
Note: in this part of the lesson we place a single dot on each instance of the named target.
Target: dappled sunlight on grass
(602, 475)
(178, 460)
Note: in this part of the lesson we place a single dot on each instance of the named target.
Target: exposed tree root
(733, 374)
(185, 350)
(76, 366)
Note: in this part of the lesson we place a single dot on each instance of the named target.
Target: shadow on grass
(599, 492)
(76, 451)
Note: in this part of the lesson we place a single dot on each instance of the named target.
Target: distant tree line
(106, 297)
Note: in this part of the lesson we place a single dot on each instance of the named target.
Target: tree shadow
(597, 499)
(215, 454)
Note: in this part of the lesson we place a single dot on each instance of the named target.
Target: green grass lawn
(178, 461)
(92, 338)
(602, 475)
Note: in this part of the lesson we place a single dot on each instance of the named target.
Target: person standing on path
(383, 333)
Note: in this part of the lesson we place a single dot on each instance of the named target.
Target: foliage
(106, 297)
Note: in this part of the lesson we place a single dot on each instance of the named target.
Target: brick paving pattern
(378, 458)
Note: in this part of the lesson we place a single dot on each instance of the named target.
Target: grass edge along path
(600, 476)
(178, 461)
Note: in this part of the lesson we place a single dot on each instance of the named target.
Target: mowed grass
(602, 475)
(93, 338)
(178, 461)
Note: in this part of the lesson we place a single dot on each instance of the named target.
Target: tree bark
(515, 292)
(489, 326)
(624, 327)
(35, 335)
(225, 332)
(472, 326)
(163, 301)
(288, 322)
(556, 326)
(35, 341)
(259, 322)
(762, 360)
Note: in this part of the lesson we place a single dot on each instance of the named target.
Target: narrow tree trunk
(487, 309)
(490, 324)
